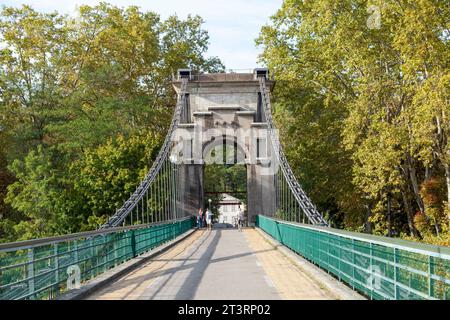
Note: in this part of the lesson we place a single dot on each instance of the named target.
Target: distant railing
(227, 75)
(45, 268)
(379, 267)
(223, 77)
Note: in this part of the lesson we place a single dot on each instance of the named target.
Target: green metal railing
(42, 269)
(378, 267)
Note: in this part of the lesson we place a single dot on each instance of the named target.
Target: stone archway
(227, 111)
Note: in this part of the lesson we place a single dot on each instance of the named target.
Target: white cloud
(233, 25)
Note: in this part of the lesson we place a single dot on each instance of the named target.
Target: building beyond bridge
(229, 208)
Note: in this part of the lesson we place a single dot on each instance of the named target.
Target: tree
(39, 194)
(8, 217)
(106, 176)
(77, 81)
(84, 94)
(29, 74)
(387, 85)
(219, 179)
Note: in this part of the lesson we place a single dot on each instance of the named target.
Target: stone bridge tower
(224, 111)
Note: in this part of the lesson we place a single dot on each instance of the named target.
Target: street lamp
(209, 208)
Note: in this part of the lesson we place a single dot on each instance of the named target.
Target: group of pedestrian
(204, 219)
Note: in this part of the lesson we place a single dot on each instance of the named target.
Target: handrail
(412, 246)
(26, 244)
(379, 267)
(45, 268)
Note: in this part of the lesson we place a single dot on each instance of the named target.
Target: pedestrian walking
(199, 218)
(209, 219)
(240, 219)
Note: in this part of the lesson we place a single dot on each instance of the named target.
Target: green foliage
(311, 126)
(38, 193)
(105, 176)
(59, 197)
(76, 95)
(75, 82)
(434, 219)
(231, 179)
(373, 102)
(225, 178)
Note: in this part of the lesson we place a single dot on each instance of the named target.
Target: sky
(233, 25)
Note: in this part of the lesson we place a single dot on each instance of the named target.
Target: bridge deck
(217, 264)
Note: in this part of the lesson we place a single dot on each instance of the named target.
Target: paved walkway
(218, 264)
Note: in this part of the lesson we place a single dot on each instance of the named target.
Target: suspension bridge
(151, 248)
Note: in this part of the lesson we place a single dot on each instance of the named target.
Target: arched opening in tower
(225, 183)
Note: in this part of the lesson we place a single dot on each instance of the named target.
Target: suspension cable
(309, 209)
(140, 192)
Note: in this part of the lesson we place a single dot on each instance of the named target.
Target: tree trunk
(415, 184)
(409, 212)
(389, 213)
(436, 227)
(427, 173)
(447, 179)
(367, 223)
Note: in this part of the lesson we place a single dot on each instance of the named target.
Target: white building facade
(229, 209)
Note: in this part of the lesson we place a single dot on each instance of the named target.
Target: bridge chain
(300, 196)
(129, 205)
(309, 209)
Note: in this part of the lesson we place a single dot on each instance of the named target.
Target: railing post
(318, 249)
(340, 255)
(91, 253)
(75, 251)
(371, 270)
(395, 274)
(354, 263)
(133, 243)
(30, 273)
(55, 252)
(115, 249)
(409, 284)
(328, 252)
(430, 276)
